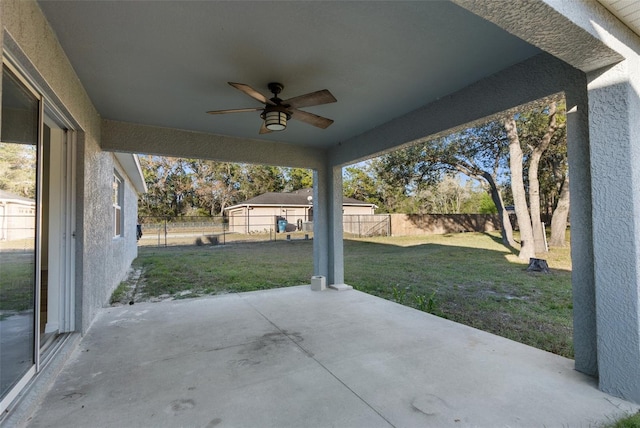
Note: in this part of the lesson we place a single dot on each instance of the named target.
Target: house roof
(8, 196)
(296, 198)
(131, 165)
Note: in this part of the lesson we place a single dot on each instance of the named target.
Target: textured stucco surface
(321, 249)
(614, 110)
(33, 43)
(582, 275)
(614, 134)
(155, 140)
(328, 252)
(336, 257)
(106, 259)
(600, 23)
(100, 263)
(544, 27)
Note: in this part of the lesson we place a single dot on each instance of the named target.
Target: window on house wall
(118, 199)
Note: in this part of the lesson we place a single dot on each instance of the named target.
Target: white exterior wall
(256, 219)
(16, 220)
(263, 219)
(357, 210)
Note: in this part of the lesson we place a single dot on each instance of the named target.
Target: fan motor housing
(275, 88)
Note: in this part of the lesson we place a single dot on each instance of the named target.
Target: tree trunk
(559, 218)
(534, 183)
(505, 224)
(534, 203)
(527, 248)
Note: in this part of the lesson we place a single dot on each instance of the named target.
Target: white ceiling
(167, 63)
(627, 11)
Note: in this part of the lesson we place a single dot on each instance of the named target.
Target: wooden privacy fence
(417, 224)
(367, 225)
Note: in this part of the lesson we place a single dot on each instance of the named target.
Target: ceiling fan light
(275, 120)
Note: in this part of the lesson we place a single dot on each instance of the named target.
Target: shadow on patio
(293, 357)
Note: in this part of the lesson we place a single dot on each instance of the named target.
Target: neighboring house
(262, 213)
(17, 217)
(402, 72)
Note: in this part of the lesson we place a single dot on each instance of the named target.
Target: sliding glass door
(19, 210)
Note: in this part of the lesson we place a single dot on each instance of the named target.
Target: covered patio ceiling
(167, 63)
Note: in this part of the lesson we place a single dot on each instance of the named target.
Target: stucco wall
(106, 259)
(100, 261)
(614, 133)
(615, 156)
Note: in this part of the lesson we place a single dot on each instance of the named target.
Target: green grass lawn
(472, 279)
(631, 421)
(16, 281)
(469, 278)
(224, 268)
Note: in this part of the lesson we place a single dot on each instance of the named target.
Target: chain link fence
(217, 230)
(220, 230)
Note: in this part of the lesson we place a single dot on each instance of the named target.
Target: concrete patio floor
(292, 357)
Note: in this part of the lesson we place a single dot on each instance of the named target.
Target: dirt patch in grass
(195, 271)
(128, 291)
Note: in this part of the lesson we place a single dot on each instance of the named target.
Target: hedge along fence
(439, 224)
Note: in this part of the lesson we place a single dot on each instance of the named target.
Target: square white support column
(336, 242)
(320, 224)
(328, 241)
(614, 133)
(582, 274)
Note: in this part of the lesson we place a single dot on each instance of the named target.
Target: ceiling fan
(276, 112)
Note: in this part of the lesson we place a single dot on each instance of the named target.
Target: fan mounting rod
(275, 88)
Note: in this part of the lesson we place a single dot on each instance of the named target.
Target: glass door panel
(18, 219)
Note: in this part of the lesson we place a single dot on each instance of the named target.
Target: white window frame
(118, 203)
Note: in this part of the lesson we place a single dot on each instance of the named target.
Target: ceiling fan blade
(311, 119)
(252, 93)
(235, 110)
(264, 130)
(311, 99)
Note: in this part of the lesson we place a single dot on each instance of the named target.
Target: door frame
(63, 223)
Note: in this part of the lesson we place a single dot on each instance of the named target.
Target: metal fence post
(165, 231)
